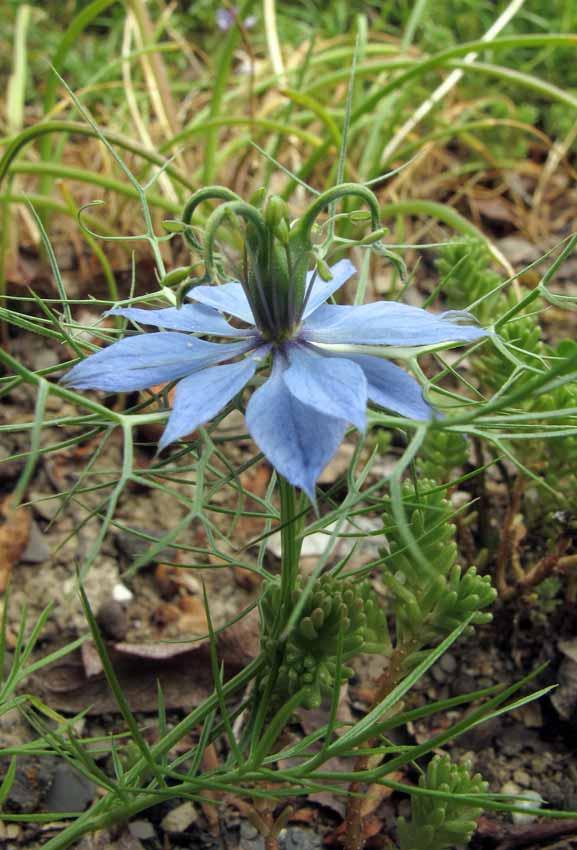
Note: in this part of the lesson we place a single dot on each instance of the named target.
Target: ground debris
(15, 525)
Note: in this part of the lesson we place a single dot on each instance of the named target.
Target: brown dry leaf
(247, 579)
(306, 814)
(377, 793)
(14, 530)
(183, 671)
(496, 209)
(193, 620)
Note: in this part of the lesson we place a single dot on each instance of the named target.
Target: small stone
(179, 819)
(522, 777)
(519, 251)
(250, 838)
(37, 550)
(298, 838)
(43, 507)
(13, 831)
(143, 830)
(510, 788)
(70, 791)
(132, 546)
(31, 784)
(448, 663)
(532, 800)
(113, 620)
(564, 698)
(121, 593)
(439, 674)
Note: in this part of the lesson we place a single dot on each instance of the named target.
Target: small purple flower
(324, 368)
(226, 18)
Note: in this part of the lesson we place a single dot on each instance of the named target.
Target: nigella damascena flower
(324, 369)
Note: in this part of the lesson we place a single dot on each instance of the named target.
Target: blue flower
(324, 369)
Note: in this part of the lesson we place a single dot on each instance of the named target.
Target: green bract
(276, 255)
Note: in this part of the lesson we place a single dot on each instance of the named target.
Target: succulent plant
(336, 610)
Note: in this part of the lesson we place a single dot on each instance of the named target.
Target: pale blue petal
(297, 440)
(386, 323)
(204, 394)
(323, 289)
(144, 360)
(392, 388)
(334, 386)
(226, 297)
(193, 318)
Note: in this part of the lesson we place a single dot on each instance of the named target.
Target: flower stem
(291, 526)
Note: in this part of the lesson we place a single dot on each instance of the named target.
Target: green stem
(291, 525)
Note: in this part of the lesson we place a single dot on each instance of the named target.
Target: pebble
(180, 818)
(133, 547)
(531, 800)
(535, 801)
(297, 838)
(510, 788)
(37, 550)
(143, 830)
(250, 838)
(522, 777)
(448, 663)
(438, 674)
(121, 593)
(9, 831)
(70, 791)
(113, 620)
(31, 784)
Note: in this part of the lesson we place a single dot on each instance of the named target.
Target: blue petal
(386, 323)
(226, 297)
(297, 440)
(393, 388)
(144, 360)
(323, 289)
(204, 394)
(194, 318)
(332, 385)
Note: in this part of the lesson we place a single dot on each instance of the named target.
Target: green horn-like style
(276, 256)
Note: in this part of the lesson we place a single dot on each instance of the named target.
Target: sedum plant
(438, 823)
(340, 619)
(431, 592)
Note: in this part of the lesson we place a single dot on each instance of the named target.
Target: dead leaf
(183, 671)
(496, 209)
(247, 579)
(377, 793)
(14, 531)
(193, 620)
